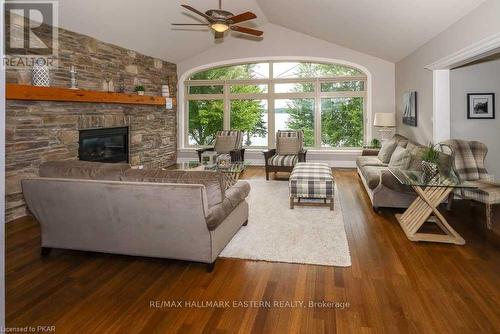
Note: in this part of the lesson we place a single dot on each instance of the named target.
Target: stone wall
(43, 131)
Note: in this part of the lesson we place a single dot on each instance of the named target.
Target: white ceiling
(389, 29)
(145, 25)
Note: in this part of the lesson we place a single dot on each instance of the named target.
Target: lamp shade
(384, 119)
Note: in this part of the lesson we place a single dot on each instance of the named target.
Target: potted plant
(375, 143)
(139, 89)
(430, 161)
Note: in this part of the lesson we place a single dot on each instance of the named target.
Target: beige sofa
(111, 208)
(383, 189)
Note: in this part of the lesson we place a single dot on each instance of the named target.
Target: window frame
(271, 96)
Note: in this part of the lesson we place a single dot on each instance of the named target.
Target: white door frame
(441, 81)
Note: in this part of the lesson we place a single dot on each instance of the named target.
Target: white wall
(411, 73)
(281, 43)
(479, 78)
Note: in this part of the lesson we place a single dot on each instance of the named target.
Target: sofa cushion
(283, 160)
(369, 161)
(400, 140)
(234, 196)
(386, 150)
(400, 158)
(213, 181)
(416, 152)
(75, 169)
(371, 174)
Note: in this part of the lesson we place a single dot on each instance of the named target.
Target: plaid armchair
(228, 144)
(289, 150)
(469, 166)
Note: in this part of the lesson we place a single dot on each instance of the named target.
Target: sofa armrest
(370, 152)
(389, 181)
(302, 156)
(237, 155)
(269, 154)
(205, 149)
(234, 196)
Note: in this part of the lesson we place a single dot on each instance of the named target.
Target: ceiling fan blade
(247, 30)
(243, 17)
(198, 12)
(190, 24)
(219, 35)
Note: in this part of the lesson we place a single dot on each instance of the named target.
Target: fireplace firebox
(104, 145)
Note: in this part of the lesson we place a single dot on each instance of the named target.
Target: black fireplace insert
(104, 145)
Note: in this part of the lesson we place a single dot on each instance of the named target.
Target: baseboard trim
(260, 162)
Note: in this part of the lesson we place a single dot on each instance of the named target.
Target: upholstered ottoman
(312, 181)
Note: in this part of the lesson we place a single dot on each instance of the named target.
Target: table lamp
(386, 121)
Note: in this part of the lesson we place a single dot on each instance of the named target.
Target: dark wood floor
(393, 286)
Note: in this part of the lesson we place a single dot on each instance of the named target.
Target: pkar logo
(30, 32)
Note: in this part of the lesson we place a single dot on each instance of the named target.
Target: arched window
(326, 101)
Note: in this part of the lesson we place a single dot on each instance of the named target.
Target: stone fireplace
(104, 145)
(40, 131)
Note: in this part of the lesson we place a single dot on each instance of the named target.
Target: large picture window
(326, 101)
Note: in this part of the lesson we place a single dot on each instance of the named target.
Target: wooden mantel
(34, 93)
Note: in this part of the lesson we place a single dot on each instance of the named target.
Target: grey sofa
(383, 189)
(110, 208)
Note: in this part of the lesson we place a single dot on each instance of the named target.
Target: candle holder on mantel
(73, 78)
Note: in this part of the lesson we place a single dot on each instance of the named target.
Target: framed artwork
(481, 106)
(410, 108)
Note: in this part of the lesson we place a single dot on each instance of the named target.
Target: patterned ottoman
(311, 180)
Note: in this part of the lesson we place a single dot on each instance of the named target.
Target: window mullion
(271, 132)
(317, 116)
(227, 108)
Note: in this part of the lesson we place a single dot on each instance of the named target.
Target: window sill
(309, 151)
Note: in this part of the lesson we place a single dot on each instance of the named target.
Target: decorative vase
(165, 91)
(430, 169)
(121, 83)
(73, 78)
(41, 74)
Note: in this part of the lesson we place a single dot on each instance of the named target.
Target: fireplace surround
(104, 145)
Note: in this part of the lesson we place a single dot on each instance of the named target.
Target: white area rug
(311, 235)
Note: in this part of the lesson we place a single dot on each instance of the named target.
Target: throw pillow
(288, 146)
(213, 181)
(225, 144)
(83, 170)
(400, 159)
(386, 151)
(416, 152)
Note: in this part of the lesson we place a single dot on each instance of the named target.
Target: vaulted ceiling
(389, 29)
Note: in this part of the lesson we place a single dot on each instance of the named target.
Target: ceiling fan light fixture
(220, 26)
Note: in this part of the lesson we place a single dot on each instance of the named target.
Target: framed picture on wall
(481, 106)
(410, 108)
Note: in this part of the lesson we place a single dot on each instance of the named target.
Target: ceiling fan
(221, 21)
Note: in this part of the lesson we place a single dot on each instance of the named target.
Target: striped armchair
(469, 166)
(228, 144)
(289, 150)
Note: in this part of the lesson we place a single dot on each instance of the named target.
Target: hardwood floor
(393, 286)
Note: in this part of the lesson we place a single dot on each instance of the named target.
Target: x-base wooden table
(431, 193)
